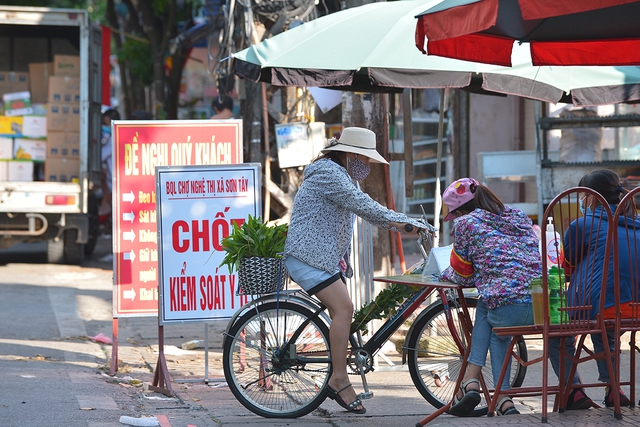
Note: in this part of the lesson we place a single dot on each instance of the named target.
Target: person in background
(107, 163)
(320, 232)
(222, 106)
(580, 261)
(495, 250)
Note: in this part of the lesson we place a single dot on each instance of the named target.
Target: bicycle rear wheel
(435, 361)
(270, 377)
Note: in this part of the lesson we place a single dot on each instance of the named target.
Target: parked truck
(50, 165)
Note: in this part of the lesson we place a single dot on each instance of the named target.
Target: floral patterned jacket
(498, 254)
(323, 215)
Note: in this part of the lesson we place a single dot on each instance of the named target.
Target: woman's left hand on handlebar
(400, 226)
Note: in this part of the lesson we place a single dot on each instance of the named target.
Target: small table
(418, 280)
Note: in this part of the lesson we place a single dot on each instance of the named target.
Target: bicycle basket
(259, 275)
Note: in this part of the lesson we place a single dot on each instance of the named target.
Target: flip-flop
(351, 407)
(464, 406)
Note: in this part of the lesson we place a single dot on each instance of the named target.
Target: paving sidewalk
(395, 403)
(202, 399)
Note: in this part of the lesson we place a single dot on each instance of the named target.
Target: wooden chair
(625, 239)
(576, 319)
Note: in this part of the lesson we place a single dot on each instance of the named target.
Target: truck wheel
(94, 225)
(65, 250)
(73, 252)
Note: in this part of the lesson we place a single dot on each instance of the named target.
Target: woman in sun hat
(319, 236)
(495, 250)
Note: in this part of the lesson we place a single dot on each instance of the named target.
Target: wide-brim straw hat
(358, 141)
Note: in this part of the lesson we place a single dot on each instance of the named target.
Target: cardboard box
(6, 148)
(64, 90)
(63, 144)
(4, 170)
(17, 103)
(39, 73)
(29, 149)
(20, 170)
(63, 117)
(34, 126)
(66, 65)
(39, 109)
(11, 125)
(11, 81)
(62, 170)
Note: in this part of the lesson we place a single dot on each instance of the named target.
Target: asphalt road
(51, 374)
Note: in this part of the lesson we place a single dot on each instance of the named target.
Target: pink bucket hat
(457, 194)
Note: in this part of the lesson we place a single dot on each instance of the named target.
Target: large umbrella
(369, 48)
(559, 32)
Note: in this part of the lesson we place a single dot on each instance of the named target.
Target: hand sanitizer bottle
(555, 253)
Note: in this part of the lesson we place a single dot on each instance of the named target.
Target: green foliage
(98, 11)
(138, 55)
(63, 4)
(161, 8)
(253, 238)
(385, 303)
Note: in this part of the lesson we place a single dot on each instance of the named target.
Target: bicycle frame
(380, 336)
(377, 340)
(388, 328)
(276, 346)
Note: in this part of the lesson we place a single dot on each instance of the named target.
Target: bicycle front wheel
(274, 363)
(435, 361)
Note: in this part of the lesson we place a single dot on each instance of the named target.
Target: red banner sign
(138, 147)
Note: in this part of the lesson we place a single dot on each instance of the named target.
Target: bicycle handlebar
(428, 228)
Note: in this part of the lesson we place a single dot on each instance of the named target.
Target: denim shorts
(309, 278)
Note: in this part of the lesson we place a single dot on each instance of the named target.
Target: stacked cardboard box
(63, 120)
(16, 161)
(38, 83)
(11, 81)
(40, 121)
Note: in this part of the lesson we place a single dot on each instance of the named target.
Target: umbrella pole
(437, 198)
(267, 154)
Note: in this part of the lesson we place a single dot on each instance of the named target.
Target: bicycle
(277, 362)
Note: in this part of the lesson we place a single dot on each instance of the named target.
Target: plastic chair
(626, 240)
(576, 319)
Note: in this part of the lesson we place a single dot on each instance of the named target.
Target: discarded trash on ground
(101, 338)
(142, 422)
(193, 344)
(219, 385)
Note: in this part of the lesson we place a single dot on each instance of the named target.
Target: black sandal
(351, 407)
(511, 410)
(464, 406)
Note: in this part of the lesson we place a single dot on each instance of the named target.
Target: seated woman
(495, 250)
(580, 261)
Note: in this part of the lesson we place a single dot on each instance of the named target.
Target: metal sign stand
(114, 348)
(161, 379)
(206, 361)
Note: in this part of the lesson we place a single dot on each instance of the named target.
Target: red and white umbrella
(559, 32)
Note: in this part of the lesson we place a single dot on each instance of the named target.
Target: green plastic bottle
(556, 294)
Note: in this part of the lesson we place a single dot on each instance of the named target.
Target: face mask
(583, 209)
(358, 169)
(106, 129)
